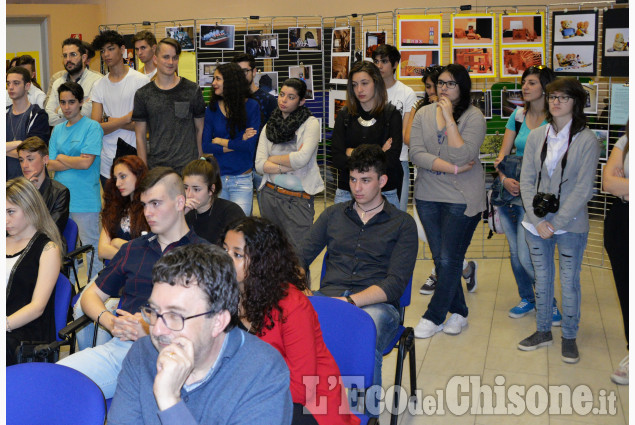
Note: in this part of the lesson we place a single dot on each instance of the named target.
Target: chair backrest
(70, 235)
(350, 335)
(46, 393)
(404, 301)
(63, 292)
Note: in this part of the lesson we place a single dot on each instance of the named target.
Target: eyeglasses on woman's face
(449, 84)
(561, 99)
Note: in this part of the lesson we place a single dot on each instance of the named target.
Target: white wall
(29, 36)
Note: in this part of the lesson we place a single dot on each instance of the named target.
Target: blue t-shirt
(82, 137)
(523, 133)
(242, 156)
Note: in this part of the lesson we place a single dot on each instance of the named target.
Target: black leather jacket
(57, 198)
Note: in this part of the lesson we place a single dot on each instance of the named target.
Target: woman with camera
(449, 192)
(521, 122)
(556, 182)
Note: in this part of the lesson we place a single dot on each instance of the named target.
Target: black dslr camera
(545, 203)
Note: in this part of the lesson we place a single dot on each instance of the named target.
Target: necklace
(366, 123)
(15, 128)
(367, 211)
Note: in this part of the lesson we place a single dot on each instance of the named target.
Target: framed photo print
(414, 62)
(184, 35)
(616, 43)
(575, 27)
(268, 81)
(340, 65)
(510, 100)
(479, 61)
(305, 39)
(522, 28)
(262, 46)
(337, 100)
(515, 61)
(482, 99)
(372, 40)
(591, 106)
(570, 59)
(341, 42)
(472, 30)
(304, 73)
(423, 31)
(206, 73)
(216, 37)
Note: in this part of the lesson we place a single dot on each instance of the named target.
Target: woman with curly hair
(205, 212)
(274, 308)
(230, 132)
(33, 261)
(367, 118)
(122, 218)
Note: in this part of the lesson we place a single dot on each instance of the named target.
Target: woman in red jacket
(274, 307)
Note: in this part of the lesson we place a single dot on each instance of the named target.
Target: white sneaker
(425, 328)
(455, 324)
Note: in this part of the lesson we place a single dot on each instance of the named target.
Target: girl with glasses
(556, 182)
(521, 122)
(449, 192)
(274, 308)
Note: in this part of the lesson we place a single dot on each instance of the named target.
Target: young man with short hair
(145, 45)
(113, 98)
(34, 156)
(197, 366)
(172, 109)
(74, 152)
(130, 272)
(386, 58)
(24, 119)
(35, 94)
(372, 247)
(74, 59)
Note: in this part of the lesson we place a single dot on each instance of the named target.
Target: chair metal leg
(413, 363)
(401, 353)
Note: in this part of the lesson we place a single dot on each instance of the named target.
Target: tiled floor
(486, 349)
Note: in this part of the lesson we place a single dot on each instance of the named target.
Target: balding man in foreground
(163, 196)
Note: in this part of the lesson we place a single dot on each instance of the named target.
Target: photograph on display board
(262, 46)
(373, 39)
(337, 100)
(515, 61)
(616, 43)
(591, 106)
(268, 81)
(305, 73)
(603, 139)
(472, 29)
(575, 27)
(424, 31)
(305, 39)
(510, 100)
(340, 65)
(184, 35)
(216, 37)
(521, 29)
(479, 61)
(482, 99)
(414, 62)
(206, 73)
(341, 41)
(129, 53)
(569, 59)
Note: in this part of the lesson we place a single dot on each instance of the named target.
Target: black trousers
(616, 244)
(300, 418)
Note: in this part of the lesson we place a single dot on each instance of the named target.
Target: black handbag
(510, 166)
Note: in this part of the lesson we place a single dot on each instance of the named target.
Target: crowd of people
(163, 186)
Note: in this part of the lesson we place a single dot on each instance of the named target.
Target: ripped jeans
(570, 251)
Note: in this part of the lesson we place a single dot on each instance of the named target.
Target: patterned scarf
(281, 130)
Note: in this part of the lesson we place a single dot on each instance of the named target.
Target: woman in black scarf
(287, 159)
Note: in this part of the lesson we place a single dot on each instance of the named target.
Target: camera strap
(543, 156)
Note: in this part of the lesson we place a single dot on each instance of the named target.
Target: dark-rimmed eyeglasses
(173, 321)
(561, 99)
(449, 84)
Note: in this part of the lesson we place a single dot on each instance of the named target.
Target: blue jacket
(249, 384)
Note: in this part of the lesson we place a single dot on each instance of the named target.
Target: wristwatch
(350, 300)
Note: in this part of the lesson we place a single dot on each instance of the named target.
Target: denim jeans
(102, 364)
(345, 196)
(89, 228)
(511, 217)
(405, 186)
(240, 190)
(570, 250)
(449, 232)
(386, 318)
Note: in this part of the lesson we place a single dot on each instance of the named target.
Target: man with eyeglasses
(130, 273)
(74, 58)
(172, 110)
(386, 58)
(197, 366)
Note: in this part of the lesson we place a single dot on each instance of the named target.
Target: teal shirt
(83, 137)
(523, 133)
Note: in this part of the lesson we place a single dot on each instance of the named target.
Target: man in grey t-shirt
(172, 109)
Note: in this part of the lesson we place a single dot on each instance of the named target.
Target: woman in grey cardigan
(449, 191)
(556, 182)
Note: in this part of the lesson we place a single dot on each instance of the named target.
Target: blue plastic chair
(70, 234)
(350, 335)
(46, 393)
(403, 341)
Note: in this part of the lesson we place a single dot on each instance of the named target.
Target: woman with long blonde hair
(33, 262)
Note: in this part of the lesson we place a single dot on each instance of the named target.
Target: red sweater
(299, 341)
